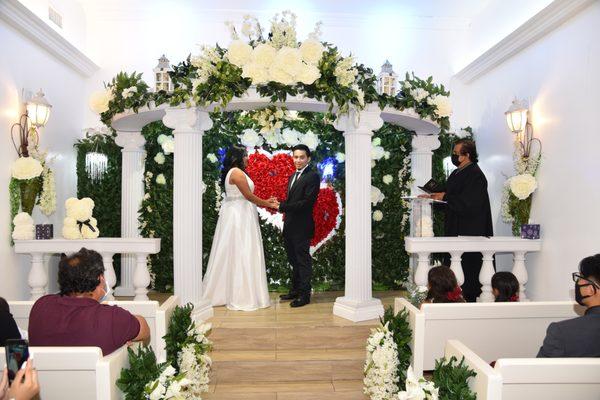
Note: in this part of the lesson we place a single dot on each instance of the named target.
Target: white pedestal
(358, 304)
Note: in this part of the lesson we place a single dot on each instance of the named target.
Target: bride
(236, 275)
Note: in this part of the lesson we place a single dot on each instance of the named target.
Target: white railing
(107, 247)
(423, 247)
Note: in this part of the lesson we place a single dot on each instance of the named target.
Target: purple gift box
(530, 231)
(44, 231)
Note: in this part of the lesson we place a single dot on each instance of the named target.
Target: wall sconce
(37, 112)
(517, 119)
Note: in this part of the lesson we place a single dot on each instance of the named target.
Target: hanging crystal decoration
(95, 165)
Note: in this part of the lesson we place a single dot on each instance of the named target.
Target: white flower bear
(24, 228)
(79, 223)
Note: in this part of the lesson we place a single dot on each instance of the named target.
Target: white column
(485, 277)
(421, 159)
(189, 125)
(38, 276)
(358, 303)
(109, 272)
(456, 266)
(132, 193)
(520, 272)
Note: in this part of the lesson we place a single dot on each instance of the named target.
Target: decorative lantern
(161, 75)
(516, 116)
(386, 81)
(38, 109)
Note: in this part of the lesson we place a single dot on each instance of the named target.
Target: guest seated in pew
(442, 286)
(579, 337)
(8, 326)
(505, 287)
(75, 317)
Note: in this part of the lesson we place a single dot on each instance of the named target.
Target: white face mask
(107, 292)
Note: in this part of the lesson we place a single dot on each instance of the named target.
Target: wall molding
(538, 26)
(33, 27)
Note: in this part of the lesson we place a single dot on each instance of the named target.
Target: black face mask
(578, 296)
(454, 159)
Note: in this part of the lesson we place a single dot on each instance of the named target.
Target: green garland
(452, 379)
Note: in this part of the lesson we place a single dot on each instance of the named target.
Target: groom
(298, 226)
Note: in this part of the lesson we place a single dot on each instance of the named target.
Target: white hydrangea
(251, 138)
(311, 140)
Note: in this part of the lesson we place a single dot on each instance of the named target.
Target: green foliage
(400, 328)
(451, 377)
(119, 103)
(519, 211)
(177, 333)
(143, 369)
(14, 193)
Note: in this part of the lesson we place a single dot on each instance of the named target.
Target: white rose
(239, 53)
(387, 179)
(340, 157)
(26, 168)
(264, 55)
(256, 72)
(168, 145)
(309, 74)
(99, 100)
(311, 51)
(272, 139)
(376, 141)
(128, 92)
(251, 138)
(419, 94)
(377, 152)
(289, 61)
(376, 195)
(212, 158)
(386, 155)
(161, 138)
(290, 137)
(159, 158)
(22, 218)
(522, 185)
(377, 215)
(442, 104)
(311, 140)
(160, 179)
(277, 74)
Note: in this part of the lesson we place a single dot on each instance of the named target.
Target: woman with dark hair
(236, 274)
(505, 287)
(442, 286)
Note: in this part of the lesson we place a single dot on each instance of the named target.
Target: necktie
(296, 175)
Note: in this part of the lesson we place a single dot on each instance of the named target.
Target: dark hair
(442, 282)
(233, 159)
(467, 146)
(80, 272)
(4, 305)
(590, 267)
(302, 147)
(507, 285)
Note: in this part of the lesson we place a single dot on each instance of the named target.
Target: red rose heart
(271, 173)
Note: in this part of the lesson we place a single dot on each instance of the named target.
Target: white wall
(27, 66)
(559, 74)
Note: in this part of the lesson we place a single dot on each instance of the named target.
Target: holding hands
(273, 203)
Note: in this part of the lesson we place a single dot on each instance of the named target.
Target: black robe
(468, 213)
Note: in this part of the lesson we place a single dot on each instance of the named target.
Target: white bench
(156, 315)
(530, 378)
(74, 373)
(493, 330)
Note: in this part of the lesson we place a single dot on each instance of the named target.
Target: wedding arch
(277, 71)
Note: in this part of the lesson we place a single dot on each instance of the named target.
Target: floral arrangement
(451, 378)
(381, 365)
(414, 293)
(185, 375)
(518, 190)
(418, 388)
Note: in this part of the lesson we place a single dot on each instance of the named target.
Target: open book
(432, 187)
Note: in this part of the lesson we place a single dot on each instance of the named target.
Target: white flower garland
(381, 366)
(48, 196)
(418, 389)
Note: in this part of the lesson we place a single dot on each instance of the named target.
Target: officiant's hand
(437, 196)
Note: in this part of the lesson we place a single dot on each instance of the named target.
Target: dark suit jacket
(8, 328)
(577, 337)
(468, 210)
(298, 207)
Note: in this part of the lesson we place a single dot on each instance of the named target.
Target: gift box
(44, 231)
(530, 231)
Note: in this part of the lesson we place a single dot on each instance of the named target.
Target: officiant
(467, 210)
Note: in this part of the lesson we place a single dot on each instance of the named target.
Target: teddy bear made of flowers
(79, 223)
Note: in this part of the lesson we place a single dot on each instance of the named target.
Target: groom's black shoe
(289, 296)
(300, 301)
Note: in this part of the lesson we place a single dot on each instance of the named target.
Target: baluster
(141, 277)
(485, 277)
(109, 272)
(520, 272)
(38, 276)
(456, 266)
(422, 270)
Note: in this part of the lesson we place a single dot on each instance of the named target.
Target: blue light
(221, 153)
(327, 168)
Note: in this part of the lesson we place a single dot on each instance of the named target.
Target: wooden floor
(289, 353)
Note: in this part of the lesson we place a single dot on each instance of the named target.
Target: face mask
(454, 159)
(578, 296)
(107, 291)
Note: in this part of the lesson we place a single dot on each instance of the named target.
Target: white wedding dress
(236, 275)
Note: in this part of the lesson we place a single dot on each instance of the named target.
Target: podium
(421, 216)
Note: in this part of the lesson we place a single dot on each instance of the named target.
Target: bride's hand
(273, 203)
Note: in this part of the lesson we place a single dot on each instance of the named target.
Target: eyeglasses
(577, 276)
